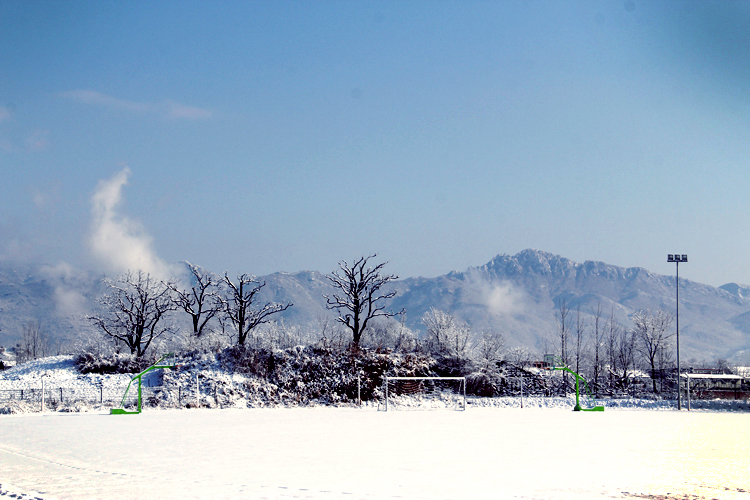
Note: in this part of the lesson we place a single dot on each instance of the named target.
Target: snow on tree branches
(359, 296)
(238, 305)
(134, 310)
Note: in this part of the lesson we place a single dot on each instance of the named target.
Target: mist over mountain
(514, 295)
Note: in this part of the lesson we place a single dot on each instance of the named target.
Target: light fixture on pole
(677, 258)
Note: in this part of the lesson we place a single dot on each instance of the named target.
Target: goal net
(424, 393)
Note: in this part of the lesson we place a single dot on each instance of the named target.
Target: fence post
(43, 393)
(197, 392)
(61, 397)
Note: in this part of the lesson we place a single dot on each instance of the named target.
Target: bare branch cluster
(446, 335)
(650, 331)
(238, 305)
(202, 301)
(359, 294)
(134, 310)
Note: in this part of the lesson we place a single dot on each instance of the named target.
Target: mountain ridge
(517, 295)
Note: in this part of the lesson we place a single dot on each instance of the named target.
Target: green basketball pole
(559, 365)
(156, 366)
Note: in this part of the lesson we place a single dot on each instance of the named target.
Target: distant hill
(515, 295)
(58, 297)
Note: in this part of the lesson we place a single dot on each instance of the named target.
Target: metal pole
(688, 390)
(464, 383)
(197, 392)
(385, 381)
(521, 392)
(677, 319)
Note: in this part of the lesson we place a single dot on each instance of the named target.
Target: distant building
(709, 383)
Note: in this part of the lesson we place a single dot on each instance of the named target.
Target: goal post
(416, 393)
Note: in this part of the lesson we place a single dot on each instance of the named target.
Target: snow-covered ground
(494, 449)
(339, 453)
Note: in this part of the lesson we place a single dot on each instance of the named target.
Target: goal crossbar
(461, 386)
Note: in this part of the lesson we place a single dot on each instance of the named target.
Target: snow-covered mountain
(515, 295)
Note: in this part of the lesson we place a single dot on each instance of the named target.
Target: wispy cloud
(99, 99)
(37, 141)
(119, 242)
(167, 108)
(176, 110)
(68, 283)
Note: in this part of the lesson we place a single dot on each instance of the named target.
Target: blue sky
(283, 136)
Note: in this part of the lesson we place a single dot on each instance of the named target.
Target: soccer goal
(424, 393)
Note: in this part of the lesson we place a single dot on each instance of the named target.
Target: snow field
(336, 453)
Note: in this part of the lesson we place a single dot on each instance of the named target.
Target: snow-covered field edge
(205, 385)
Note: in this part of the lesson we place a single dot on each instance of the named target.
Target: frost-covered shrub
(508, 381)
(479, 384)
(243, 359)
(453, 366)
(88, 362)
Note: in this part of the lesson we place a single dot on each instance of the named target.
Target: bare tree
(36, 341)
(620, 351)
(580, 339)
(201, 302)
(563, 333)
(446, 335)
(650, 331)
(359, 296)
(390, 335)
(598, 345)
(134, 310)
(489, 348)
(238, 305)
(518, 356)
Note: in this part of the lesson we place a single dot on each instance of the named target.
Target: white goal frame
(461, 393)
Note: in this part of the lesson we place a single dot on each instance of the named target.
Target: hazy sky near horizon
(283, 136)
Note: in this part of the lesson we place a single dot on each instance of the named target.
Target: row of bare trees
(609, 354)
(137, 309)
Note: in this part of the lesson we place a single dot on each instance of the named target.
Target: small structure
(707, 384)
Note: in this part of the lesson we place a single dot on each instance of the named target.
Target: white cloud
(67, 280)
(99, 99)
(169, 109)
(119, 242)
(176, 110)
(503, 299)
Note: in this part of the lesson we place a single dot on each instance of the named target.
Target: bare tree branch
(358, 297)
(134, 310)
(238, 305)
(201, 302)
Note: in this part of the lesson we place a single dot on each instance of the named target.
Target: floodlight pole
(677, 258)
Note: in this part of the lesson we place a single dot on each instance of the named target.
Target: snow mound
(56, 367)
